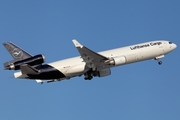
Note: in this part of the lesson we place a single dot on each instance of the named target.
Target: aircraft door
(163, 46)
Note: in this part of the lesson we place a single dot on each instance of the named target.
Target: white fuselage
(150, 50)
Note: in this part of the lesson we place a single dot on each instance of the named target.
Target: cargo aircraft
(89, 63)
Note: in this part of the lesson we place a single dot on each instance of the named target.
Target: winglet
(77, 44)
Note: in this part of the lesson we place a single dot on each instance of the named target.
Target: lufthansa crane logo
(17, 53)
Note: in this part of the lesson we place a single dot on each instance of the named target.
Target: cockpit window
(170, 42)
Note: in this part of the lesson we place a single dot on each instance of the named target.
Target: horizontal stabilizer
(26, 69)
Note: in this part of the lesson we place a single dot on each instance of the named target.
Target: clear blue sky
(140, 91)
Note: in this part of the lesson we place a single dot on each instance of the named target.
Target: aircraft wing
(92, 59)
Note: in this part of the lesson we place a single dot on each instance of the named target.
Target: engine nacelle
(104, 72)
(119, 60)
(35, 60)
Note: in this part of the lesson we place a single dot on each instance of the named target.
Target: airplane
(89, 63)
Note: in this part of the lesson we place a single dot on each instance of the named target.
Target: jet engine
(15, 65)
(102, 73)
(119, 60)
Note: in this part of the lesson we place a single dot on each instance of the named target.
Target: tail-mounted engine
(15, 65)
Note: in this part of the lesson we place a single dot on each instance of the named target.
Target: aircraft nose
(174, 46)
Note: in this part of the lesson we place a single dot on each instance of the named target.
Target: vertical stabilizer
(16, 52)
